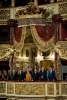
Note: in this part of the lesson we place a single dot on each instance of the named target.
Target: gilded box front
(64, 89)
(57, 89)
(29, 89)
(10, 88)
(2, 87)
(50, 89)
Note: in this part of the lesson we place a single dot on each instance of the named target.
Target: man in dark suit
(20, 75)
(23, 74)
(13, 75)
(35, 75)
(42, 74)
(51, 75)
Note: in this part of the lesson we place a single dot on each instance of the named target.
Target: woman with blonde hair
(28, 76)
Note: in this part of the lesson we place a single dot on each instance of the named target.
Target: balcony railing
(33, 89)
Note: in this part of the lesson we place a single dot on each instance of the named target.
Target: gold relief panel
(10, 88)
(63, 8)
(64, 17)
(64, 89)
(2, 87)
(29, 89)
(50, 89)
(4, 14)
(57, 89)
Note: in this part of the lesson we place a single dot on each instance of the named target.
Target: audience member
(51, 75)
(42, 74)
(28, 76)
(35, 75)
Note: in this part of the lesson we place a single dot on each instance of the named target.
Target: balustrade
(48, 90)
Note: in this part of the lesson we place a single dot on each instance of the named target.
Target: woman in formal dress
(28, 76)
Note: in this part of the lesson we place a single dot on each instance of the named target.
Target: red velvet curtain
(11, 35)
(45, 32)
(18, 34)
(63, 32)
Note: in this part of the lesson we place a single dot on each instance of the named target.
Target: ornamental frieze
(62, 8)
(29, 89)
(57, 89)
(50, 89)
(64, 89)
(2, 87)
(10, 88)
(4, 14)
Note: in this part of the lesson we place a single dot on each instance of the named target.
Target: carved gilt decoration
(64, 89)
(61, 49)
(57, 89)
(2, 87)
(63, 8)
(10, 88)
(29, 89)
(50, 89)
(4, 14)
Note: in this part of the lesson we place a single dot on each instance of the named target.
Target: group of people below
(29, 74)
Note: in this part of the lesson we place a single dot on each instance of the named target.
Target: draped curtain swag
(19, 36)
(42, 36)
(45, 32)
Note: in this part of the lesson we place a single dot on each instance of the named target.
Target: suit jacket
(20, 76)
(14, 76)
(23, 75)
(35, 76)
(51, 75)
(42, 75)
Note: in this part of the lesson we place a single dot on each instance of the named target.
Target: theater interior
(33, 32)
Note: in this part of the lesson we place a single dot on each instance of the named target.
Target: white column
(12, 3)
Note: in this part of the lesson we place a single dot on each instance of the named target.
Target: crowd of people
(29, 74)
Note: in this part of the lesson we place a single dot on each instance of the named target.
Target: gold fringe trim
(18, 46)
(39, 42)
